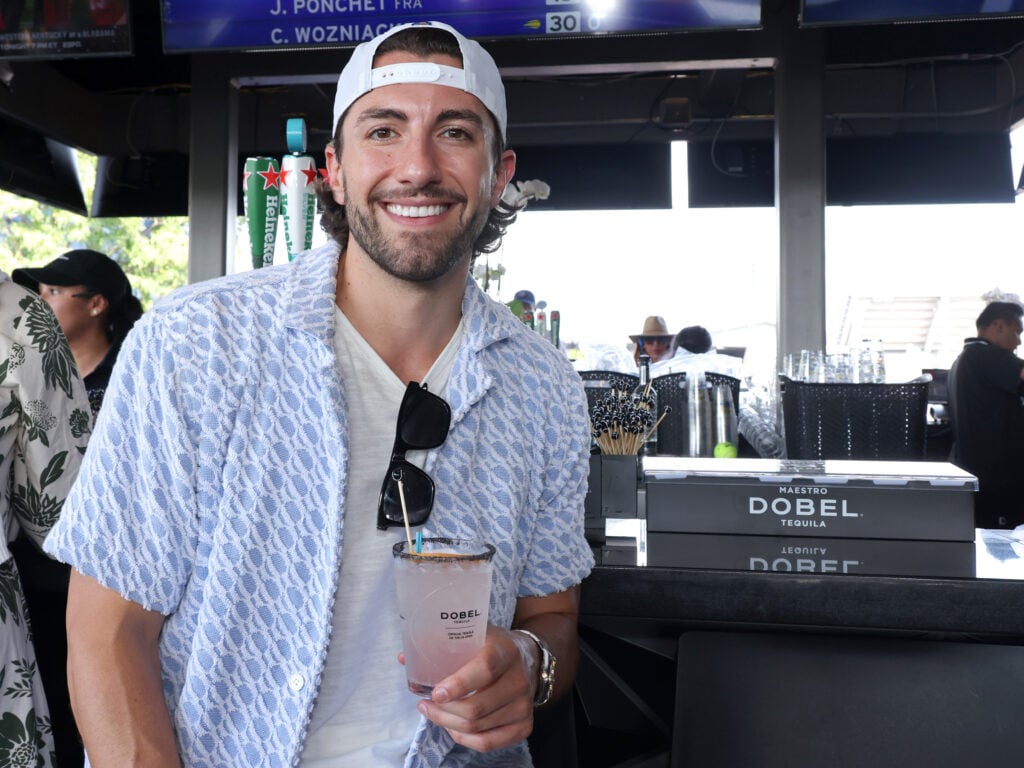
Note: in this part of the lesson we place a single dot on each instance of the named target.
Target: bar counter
(681, 598)
(634, 618)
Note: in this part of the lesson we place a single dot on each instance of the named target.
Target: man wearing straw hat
(654, 340)
(232, 602)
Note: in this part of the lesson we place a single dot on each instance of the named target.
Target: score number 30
(561, 23)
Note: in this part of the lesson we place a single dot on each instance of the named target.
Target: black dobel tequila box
(866, 517)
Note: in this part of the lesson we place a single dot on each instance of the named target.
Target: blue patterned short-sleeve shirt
(214, 487)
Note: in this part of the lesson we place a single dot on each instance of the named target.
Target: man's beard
(416, 257)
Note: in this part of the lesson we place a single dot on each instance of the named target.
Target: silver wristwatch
(546, 673)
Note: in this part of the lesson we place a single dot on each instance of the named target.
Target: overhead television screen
(196, 25)
(52, 29)
(876, 11)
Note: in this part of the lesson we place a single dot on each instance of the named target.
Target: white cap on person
(479, 75)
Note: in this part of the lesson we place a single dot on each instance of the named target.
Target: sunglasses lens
(423, 419)
(417, 488)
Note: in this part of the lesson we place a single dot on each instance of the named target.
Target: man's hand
(488, 703)
(502, 682)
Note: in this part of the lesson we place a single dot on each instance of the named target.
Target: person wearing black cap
(94, 304)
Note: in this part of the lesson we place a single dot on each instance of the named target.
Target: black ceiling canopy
(40, 168)
(155, 184)
(913, 169)
(622, 90)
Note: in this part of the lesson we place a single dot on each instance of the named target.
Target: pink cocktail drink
(443, 592)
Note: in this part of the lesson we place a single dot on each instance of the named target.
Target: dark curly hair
(419, 42)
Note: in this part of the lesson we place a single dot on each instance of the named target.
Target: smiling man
(232, 602)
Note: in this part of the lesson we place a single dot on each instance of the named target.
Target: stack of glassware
(864, 364)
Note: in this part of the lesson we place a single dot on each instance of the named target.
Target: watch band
(546, 671)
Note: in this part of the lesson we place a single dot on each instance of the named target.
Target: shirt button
(295, 682)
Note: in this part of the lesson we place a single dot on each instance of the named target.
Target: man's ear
(504, 172)
(334, 173)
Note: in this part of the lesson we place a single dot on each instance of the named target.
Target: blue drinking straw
(419, 542)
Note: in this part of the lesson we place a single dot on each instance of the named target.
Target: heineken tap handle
(262, 201)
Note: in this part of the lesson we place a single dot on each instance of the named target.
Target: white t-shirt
(365, 715)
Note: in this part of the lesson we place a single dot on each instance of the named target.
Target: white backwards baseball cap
(479, 75)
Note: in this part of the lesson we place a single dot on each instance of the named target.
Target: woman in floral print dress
(92, 299)
(44, 426)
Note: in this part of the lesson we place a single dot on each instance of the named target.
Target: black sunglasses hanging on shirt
(423, 422)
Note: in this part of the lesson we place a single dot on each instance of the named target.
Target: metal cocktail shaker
(701, 425)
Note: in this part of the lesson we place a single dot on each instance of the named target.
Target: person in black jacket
(986, 385)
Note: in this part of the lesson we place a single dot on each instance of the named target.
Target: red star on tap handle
(271, 178)
(309, 173)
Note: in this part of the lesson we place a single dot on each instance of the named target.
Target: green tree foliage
(153, 252)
